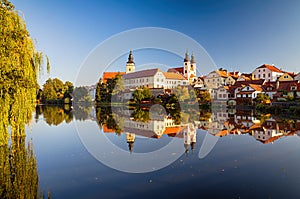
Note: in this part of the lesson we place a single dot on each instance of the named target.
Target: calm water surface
(238, 166)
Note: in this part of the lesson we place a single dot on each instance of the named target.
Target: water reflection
(19, 177)
(264, 128)
(155, 123)
(56, 115)
(18, 165)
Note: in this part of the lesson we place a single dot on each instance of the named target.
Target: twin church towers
(188, 70)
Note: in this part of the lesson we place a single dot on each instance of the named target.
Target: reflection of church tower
(189, 67)
(189, 136)
(130, 137)
(130, 66)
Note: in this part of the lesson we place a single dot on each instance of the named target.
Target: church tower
(192, 72)
(130, 66)
(189, 67)
(186, 65)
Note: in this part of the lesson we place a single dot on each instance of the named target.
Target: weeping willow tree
(20, 64)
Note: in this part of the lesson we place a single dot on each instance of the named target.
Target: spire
(186, 59)
(130, 58)
(130, 146)
(193, 58)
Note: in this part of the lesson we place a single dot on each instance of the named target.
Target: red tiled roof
(107, 130)
(256, 87)
(272, 139)
(257, 82)
(292, 74)
(286, 85)
(170, 75)
(176, 70)
(271, 68)
(110, 75)
(172, 130)
(222, 73)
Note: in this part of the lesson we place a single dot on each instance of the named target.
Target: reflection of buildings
(265, 130)
(156, 128)
(189, 137)
(130, 137)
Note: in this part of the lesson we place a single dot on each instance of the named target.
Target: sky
(237, 35)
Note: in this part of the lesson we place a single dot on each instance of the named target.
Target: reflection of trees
(55, 115)
(19, 178)
(140, 115)
(82, 112)
(106, 117)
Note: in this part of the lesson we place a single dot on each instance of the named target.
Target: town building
(287, 76)
(248, 93)
(216, 78)
(267, 72)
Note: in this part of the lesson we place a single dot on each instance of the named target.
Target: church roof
(176, 70)
(171, 75)
(142, 73)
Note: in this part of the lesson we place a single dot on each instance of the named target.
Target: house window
(264, 70)
(185, 71)
(269, 75)
(220, 95)
(258, 75)
(258, 70)
(264, 75)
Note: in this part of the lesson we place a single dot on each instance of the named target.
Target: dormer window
(293, 88)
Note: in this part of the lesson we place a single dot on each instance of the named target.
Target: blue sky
(238, 35)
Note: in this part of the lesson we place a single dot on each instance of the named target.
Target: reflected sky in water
(238, 166)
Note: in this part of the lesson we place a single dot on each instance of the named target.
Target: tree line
(55, 91)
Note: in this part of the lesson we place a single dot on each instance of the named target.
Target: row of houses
(236, 87)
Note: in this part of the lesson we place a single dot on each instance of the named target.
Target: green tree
(81, 95)
(118, 85)
(55, 91)
(181, 92)
(138, 95)
(20, 64)
(261, 98)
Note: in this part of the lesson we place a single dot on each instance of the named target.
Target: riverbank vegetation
(20, 65)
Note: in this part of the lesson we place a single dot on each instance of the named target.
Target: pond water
(222, 156)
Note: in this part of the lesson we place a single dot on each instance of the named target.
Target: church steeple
(130, 58)
(186, 59)
(193, 59)
(130, 66)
